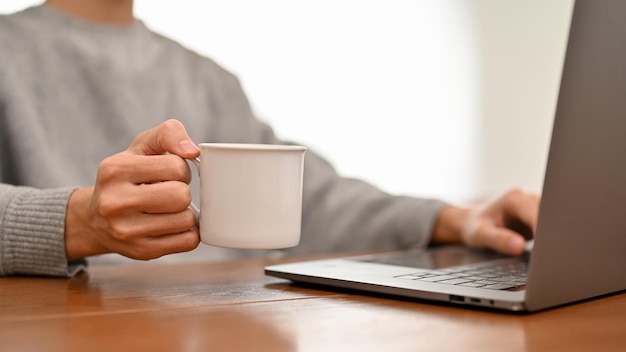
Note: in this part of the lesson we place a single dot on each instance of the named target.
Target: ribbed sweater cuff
(33, 242)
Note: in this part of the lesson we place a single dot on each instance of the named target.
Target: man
(80, 80)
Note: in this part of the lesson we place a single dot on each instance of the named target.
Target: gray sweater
(73, 93)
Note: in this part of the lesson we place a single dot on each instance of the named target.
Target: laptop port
(457, 299)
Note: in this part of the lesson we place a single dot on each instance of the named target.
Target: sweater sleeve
(32, 225)
(346, 214)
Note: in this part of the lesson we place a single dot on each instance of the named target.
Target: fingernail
(187, 146)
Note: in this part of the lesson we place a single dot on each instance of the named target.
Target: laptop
(580, 240)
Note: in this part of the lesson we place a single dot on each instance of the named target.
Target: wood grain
(232, 306)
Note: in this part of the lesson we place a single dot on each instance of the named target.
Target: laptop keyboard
(494, 276)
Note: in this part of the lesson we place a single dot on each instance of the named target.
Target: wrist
(80, 239)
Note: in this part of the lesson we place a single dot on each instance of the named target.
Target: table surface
(233, 306)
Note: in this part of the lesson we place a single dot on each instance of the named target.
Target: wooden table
(233, 306)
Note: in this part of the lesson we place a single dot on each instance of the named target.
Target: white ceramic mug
(250, 195)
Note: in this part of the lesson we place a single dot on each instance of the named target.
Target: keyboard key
(495, 276)
(454, 281)
(487, 282)
(438, 278)
(471, 284)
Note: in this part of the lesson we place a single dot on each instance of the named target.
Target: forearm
(342, 214)
(32, 223)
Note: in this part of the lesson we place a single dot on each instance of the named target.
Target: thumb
(168, 137)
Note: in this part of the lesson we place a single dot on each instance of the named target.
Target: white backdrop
(443, 98)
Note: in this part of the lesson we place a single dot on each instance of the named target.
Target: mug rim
(252, 146)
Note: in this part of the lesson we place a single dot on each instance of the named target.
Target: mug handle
(193, 207)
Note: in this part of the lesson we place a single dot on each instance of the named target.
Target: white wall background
(444, 98)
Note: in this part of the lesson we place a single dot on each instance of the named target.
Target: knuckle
(107, 206)
(514, 196)
(189, 220)
(188, 241)
(110, 206)
(184, 222)
(108, 169)
(121, 233)
(171, 124)
(517, 192)
(180, 169)
(178, 196)
(183, 192)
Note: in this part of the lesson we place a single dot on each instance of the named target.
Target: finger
(522, 208)
(168, 137)
(176, 243)
(135, 227)
(129, 200)
(147, 248)
(500, 239)
(157, 168)
(163, 197)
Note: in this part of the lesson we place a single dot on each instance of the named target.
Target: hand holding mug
(139, 204)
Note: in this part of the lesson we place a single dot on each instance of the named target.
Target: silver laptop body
(580, 242)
